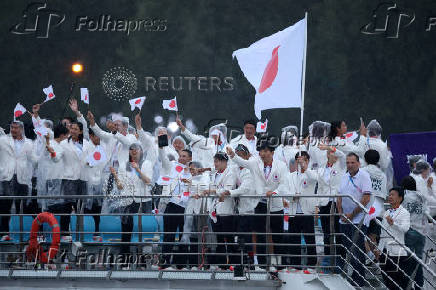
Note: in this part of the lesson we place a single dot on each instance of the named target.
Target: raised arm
(75, 108)
(104, 136)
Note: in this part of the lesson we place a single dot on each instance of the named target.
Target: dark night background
(349, 74)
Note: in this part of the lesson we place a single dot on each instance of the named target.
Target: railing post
(21, 211)
(140, 222)
(332, 235)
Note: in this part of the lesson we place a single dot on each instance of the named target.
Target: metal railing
(150, 243)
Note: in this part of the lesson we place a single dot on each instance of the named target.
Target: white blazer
(328, 178)
(250, 144)
(75, 160)
(198, 184)
(244, 182)
(227, 181)
(276, 180)
(301, 184)
(20, 163)
(398, 229)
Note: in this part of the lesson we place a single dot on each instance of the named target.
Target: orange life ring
(34, 248)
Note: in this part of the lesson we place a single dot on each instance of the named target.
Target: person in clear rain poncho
(288, 145)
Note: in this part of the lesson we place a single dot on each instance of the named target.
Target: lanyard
(355, 186)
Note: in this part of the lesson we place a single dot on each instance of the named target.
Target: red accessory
(34, 248)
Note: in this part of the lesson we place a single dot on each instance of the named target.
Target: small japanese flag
(49, 93)
(84, 95)
(155, 211)
(170, 104)
(136, 103)
(19, 110)
(212, 215)
(97, 157)
(262, 126)
(41, 131)
(286, 218)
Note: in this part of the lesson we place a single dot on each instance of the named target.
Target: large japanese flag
(274, 67)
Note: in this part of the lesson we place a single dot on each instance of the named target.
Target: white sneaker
(170, 268)
(66, 239)
(293, 270)
(6, 238)
(184, 269)
(259, 269)
(213, 268)
(194, 268)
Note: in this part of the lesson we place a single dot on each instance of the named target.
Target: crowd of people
(250, 185)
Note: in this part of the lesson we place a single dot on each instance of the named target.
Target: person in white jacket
(248, 138)
(380, 190)
(318, 132)
(337, 138)
(17, 159)
(245, 204)
(174, 199)
(329, 179)
(372, 137)
(288, 146)
(54, 153)
(139, 172)
(424, 183)
(96, 175)
(301, 210)
(222, 209)
(118, 141)
(195, 220)
(76, 149)
(392, 254)
(270, 177)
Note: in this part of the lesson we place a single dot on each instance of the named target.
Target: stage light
(77, 68)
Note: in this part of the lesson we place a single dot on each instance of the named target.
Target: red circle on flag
(50, 95)
(372, 210)
(165, 178)
(97, 155)
(263, 126)
(172, 103)
(18, 113)
(138, 101)
(179, 168)
(270, 72)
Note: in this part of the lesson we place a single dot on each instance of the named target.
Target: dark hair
(188, 151)
(302, 153)
(68, 118)
(264, 141)
(251, 122)
(353, 154)
(60, 130)
(91, 132)
(400, 192)
(80, 125)
(221, 156)
(408, 183)
(28, 131)
(372, 157)
(243, 148)
(334, 126)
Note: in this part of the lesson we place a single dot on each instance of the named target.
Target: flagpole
(303, 81)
